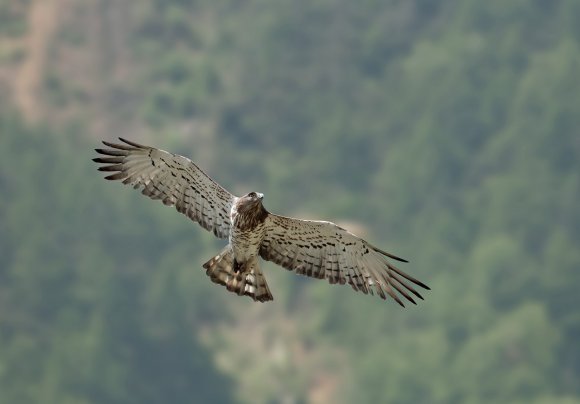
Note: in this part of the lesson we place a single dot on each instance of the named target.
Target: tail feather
(248, 281)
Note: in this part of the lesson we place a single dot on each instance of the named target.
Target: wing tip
(419, 283)
(412, 301)
(134, 144)
(109, 144)
(394, 257)
(116, 176)
(128, 146)
(388, 254)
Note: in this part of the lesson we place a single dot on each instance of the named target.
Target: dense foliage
(446, 131)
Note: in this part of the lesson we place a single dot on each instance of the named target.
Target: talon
(237, 266)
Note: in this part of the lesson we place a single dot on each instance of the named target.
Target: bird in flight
(314, 248)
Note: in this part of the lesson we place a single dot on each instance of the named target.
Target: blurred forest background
(447, 132)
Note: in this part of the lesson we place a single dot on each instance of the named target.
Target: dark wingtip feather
(114, 167)
(393, 295)
(413, 291)
(112, 152)
(409, 277)
(422, 285)
(395, 257)
(401, 290)
(108, 160)
(131, 143)
(118, 146)
(116, 176)
(412, 301)
(388, 254)
(109, 144)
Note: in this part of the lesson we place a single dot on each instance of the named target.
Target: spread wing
(324, 250)
(173, 179)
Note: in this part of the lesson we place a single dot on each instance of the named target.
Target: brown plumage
(317, 249)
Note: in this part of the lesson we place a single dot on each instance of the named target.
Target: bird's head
(250, 201)
(251, 204)
(253, 198)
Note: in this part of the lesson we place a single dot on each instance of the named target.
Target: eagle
(318, 249)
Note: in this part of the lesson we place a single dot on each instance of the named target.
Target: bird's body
(318, 249)
(247, 217)
(237, 266)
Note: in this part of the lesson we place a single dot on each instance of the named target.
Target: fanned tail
(248, 281)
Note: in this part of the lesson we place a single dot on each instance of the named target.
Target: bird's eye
(252, 194)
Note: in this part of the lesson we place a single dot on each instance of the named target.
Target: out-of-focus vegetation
(447, 130)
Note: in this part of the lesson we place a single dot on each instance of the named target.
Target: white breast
(245, 242)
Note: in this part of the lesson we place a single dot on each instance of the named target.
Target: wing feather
(324, 250)
(173, 179)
